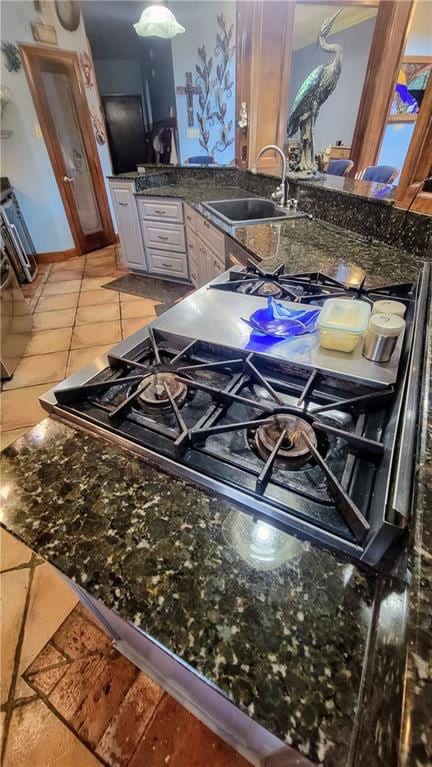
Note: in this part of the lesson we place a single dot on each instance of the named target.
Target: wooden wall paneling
(388, 44)
(244, 26)
(418, 162)
(263, 68)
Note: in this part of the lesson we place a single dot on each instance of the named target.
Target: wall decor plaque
(44, 33)
(68, 12)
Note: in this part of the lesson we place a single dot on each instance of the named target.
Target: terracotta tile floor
(80, 704)
(69, 699)
(75, 320)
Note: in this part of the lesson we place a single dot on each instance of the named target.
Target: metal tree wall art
(315, 90)
(214, 92)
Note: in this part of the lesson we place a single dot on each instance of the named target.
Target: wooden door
(126, 132)
(58, 93)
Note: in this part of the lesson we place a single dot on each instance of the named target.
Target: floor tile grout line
(150, 722)
(23, 565)
(17, 658)
(39, 695)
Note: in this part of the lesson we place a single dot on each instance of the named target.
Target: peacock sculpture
(316, 89)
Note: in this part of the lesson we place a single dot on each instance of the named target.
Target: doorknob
(68, 179)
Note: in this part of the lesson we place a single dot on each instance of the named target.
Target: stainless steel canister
(381, 337)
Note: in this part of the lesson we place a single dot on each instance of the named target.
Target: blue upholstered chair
(382, 174)
(339, 167)
(204, 159)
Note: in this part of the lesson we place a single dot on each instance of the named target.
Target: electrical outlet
(37, 131)
(192, 133)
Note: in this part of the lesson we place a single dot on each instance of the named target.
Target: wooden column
(244, 26)
(264, 37)
(388, 44)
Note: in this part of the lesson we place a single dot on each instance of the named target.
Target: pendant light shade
(158, 21)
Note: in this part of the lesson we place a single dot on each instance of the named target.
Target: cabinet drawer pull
(167, 266)
(160, 212)
(123, 204)
(161, 237)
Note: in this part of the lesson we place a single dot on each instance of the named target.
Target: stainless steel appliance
(300, 437)
(16, 319)
(16, 235)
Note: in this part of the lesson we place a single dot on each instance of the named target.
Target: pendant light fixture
(158, 21)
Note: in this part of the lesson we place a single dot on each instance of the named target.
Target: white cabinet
(214, 238)
(208, 264)
(159, 209)
(132, 246)
(163, 231)
(164, 236)
(167, 264)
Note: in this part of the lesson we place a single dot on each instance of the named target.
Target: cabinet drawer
(160, 263)
(191, 218)
(212, 237)
(165, 210)
(164, 236)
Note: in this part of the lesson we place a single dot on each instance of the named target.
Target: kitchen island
(328, 657)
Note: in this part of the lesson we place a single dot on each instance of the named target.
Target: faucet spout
(281, 193)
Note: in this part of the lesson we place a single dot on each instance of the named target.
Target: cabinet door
(129, 230)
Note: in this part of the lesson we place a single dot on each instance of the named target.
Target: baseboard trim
(56, 255)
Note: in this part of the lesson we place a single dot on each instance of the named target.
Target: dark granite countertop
(197, 191)
(287, 644)
(314, 649)
(300, 244)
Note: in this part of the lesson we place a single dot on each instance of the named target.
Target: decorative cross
(189, 90)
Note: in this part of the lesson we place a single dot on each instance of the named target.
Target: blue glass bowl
(276, 320)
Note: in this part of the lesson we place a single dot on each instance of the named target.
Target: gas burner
(293, 448)
(267, 288)
(153, 391)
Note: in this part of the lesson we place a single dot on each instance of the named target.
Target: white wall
(420, 35)
(199, 19)
(25, 158)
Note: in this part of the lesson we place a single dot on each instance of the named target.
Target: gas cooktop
(324, 454)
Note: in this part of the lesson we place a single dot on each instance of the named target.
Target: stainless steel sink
(249, 210)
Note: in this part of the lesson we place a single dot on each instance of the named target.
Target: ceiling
(308, 19)
(109, 28)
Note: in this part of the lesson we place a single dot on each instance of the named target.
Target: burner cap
(268, 288)
(294, 446)
(153, 394)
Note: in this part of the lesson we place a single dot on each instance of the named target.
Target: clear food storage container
(342, 322)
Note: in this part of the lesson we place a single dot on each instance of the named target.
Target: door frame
(31, 54)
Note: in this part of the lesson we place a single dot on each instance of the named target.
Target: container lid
(386, 325)
(389, 307)
(344, 315)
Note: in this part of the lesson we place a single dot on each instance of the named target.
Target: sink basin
(249, 210)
